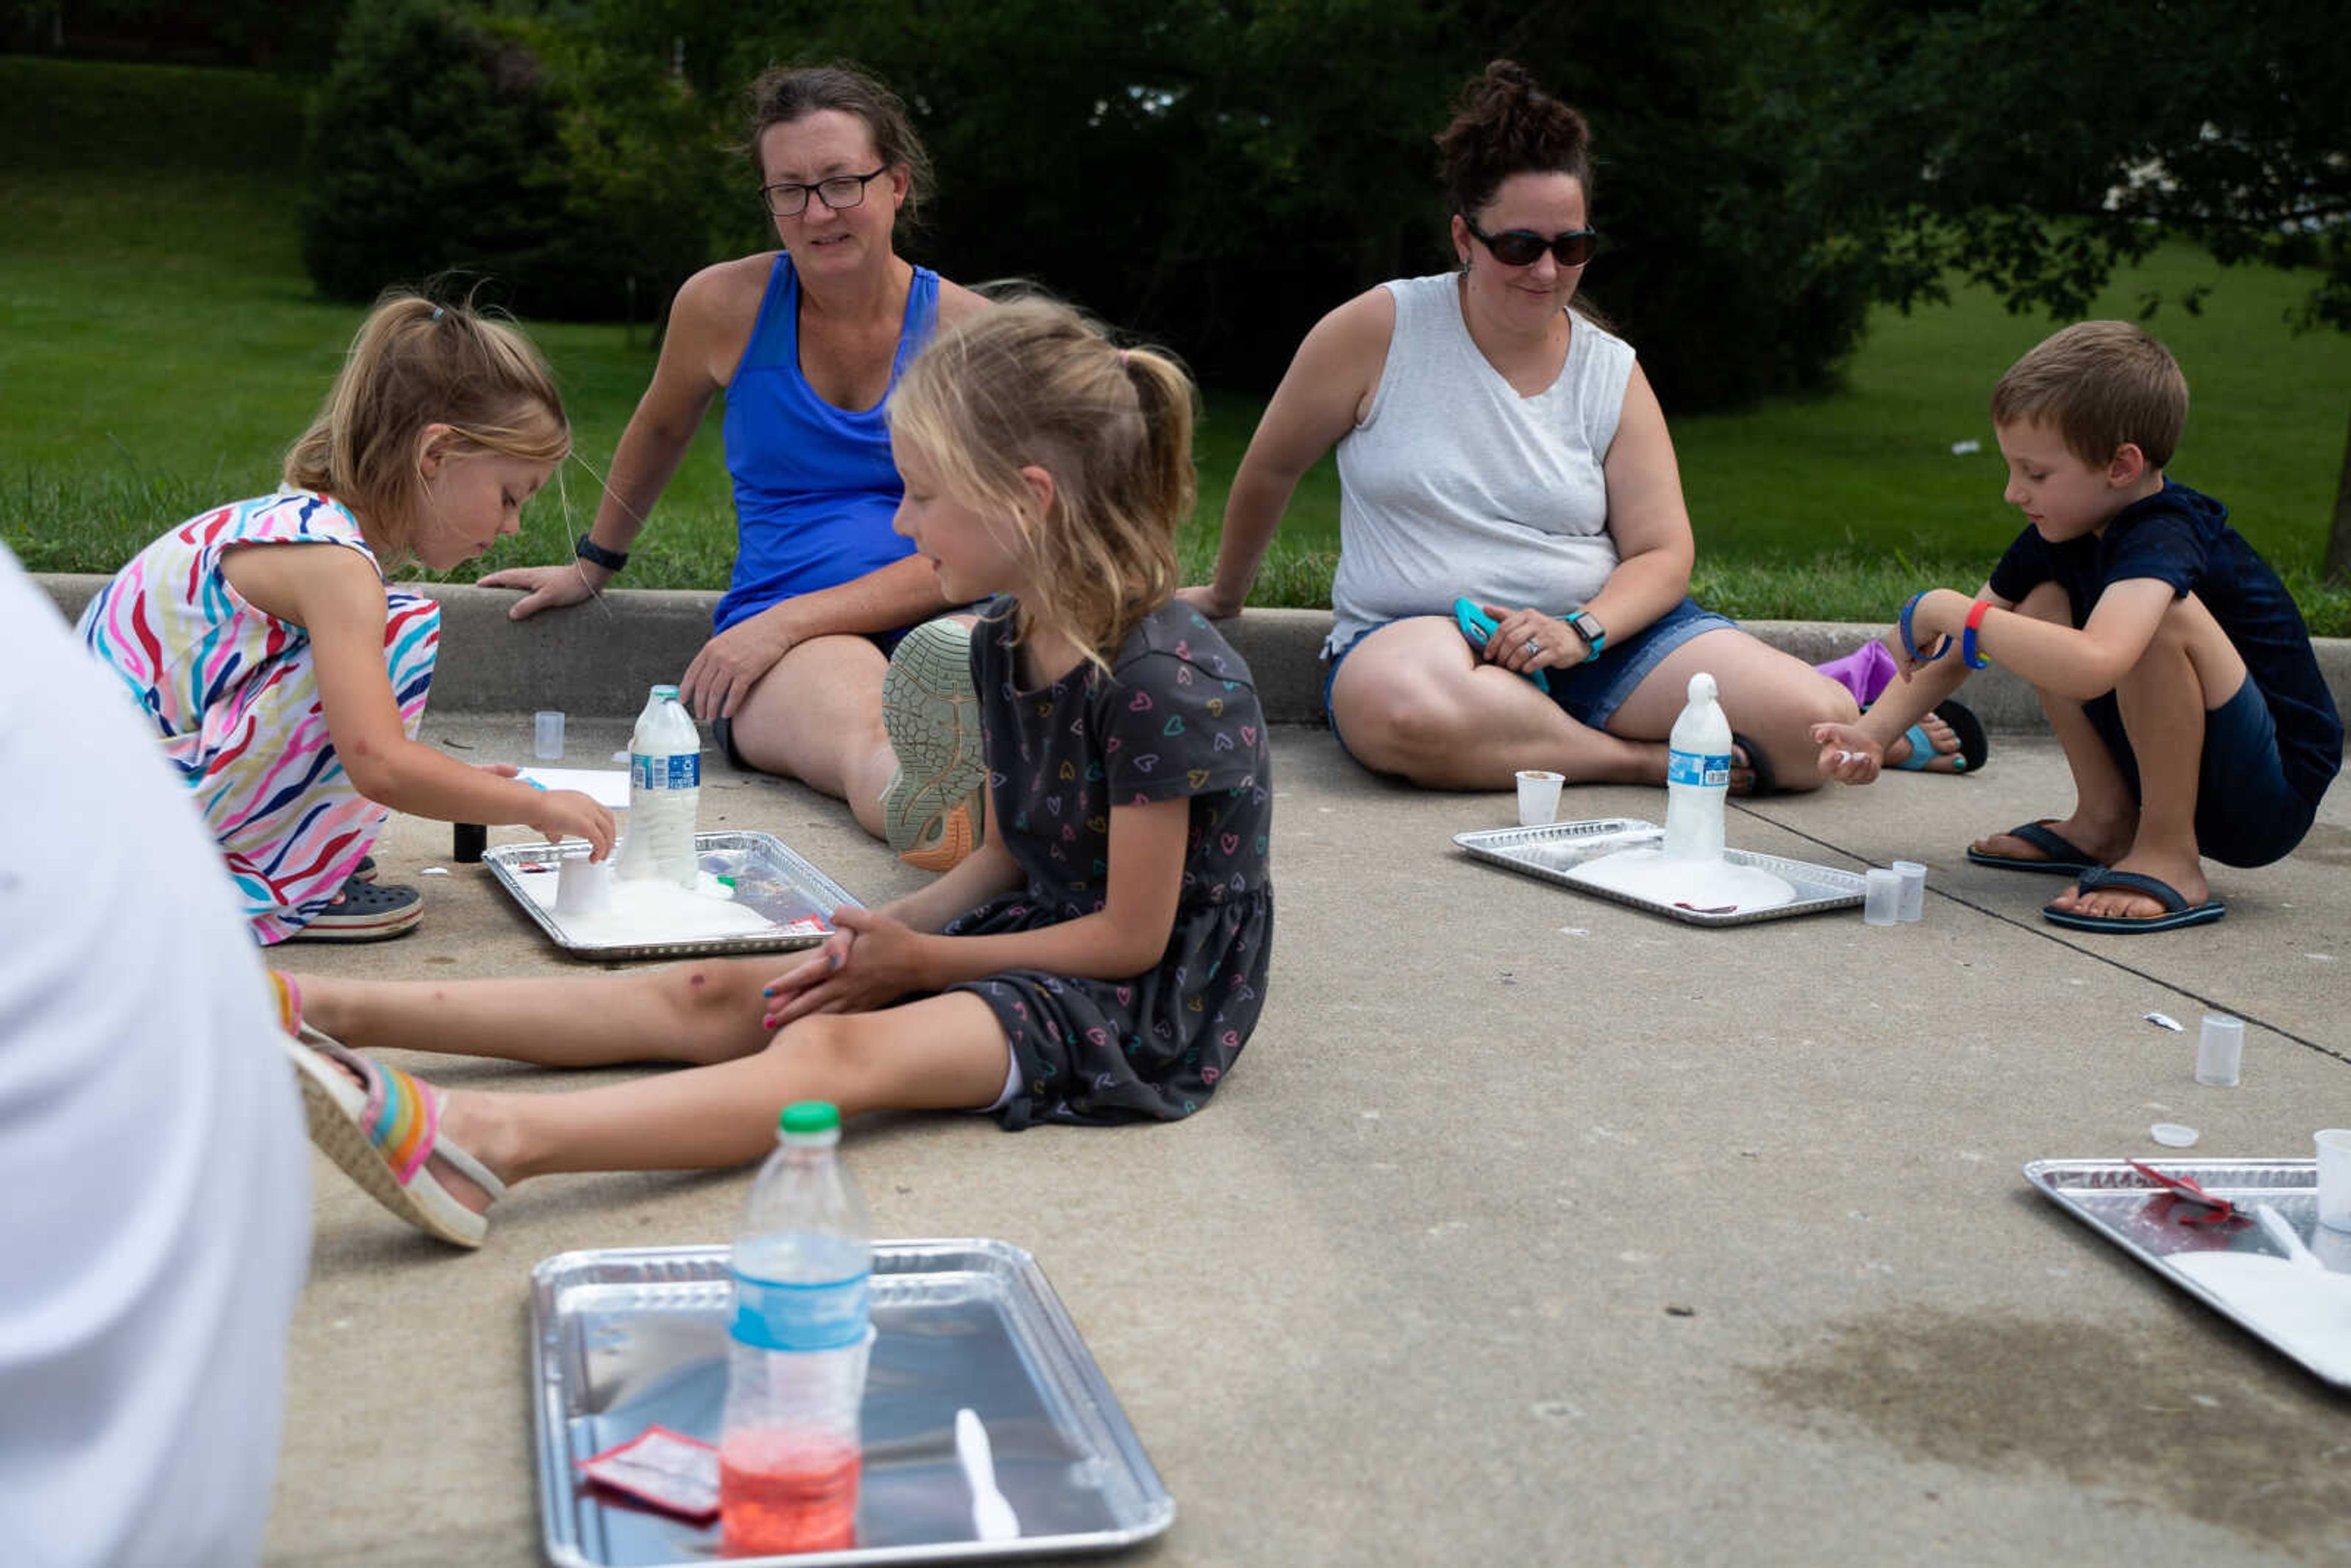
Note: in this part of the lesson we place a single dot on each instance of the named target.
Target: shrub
(446, 142)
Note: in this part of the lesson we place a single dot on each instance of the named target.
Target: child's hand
(784, 993)
(568, 814)
(1848, 754)
(869, 961)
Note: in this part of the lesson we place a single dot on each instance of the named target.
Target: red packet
(662, 1469)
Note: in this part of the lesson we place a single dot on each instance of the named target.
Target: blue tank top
(814, 486)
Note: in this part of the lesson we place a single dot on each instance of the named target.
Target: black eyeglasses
(1519, 247)
(838, 192)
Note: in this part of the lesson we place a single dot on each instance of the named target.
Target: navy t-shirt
(2182, 537)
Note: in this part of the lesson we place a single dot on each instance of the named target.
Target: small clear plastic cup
(582, 886)
(2333, 1147)
(1539, 796)
(1914, 890)
(547, 735)
(1881, 896)
(2219, 1051)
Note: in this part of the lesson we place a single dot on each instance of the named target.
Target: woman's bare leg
(943, 1052)
(817, 717)
(1772, 698)
(1412, 699)
(707, 1010)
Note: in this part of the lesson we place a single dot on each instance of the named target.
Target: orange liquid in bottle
(787, 1491)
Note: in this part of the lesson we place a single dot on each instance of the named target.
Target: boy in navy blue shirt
(2170, 660)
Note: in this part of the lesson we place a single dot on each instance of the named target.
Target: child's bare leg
(2104, 816)
(2188, 669)
(708, 1010)
(943, 1052)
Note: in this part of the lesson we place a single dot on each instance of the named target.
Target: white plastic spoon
(992, 1518)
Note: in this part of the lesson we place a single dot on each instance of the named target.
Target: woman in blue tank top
(806, 343)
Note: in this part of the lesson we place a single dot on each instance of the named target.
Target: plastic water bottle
(789, 1459)
(665, 793)
(1697, 776)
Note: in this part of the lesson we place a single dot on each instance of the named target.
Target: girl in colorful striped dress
(285, 679)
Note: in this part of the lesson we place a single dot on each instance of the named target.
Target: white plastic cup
(2219, 1051)
(547, 735)
(1914, 890)
(1539, 796)
(582, 886)
(1881, 897)
(2334, 1177)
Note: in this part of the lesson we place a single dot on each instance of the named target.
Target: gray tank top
(1456, 485)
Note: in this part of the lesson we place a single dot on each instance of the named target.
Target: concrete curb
(599, 658)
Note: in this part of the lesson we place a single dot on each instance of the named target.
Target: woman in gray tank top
(1498, 445)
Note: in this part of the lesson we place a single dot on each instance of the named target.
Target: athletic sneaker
(933, 811)
(364, 911)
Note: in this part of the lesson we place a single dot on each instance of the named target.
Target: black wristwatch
(1588, 628)
(588, 550)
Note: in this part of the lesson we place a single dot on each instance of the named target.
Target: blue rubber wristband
(1910, 643)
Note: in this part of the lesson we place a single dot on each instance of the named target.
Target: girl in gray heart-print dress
(1100, 957)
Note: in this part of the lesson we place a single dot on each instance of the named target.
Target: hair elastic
(1968, 655)
(1911, 646)
(437, 313)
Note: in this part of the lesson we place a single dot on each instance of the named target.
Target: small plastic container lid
(665, 693)
(2171, 1134)
(810, 1121)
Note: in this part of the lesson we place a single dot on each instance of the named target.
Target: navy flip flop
(1974, 745)
(2066, 858)
(2177, 911)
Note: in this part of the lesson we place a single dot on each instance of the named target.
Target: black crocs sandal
(364, 911)
(365, 871)
(1766, 781)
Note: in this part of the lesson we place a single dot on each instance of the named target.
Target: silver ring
(1532, 646)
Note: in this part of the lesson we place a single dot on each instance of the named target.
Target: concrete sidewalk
(1530, 1228)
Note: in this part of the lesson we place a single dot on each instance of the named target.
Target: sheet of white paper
(2306, 1311)
(608, 786)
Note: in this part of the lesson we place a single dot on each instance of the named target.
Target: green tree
(2036, 145)
(445, 140)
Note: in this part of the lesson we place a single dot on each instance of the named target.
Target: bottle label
(775, 1315)
(1708, 769)
(676, 770)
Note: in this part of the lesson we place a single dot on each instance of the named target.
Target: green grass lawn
(159, 346)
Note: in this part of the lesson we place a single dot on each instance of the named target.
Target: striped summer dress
(233, 695)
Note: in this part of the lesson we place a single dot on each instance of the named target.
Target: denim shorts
(1590, 692)
(2247, 813)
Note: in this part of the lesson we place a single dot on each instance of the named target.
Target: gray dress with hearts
(1177, 717)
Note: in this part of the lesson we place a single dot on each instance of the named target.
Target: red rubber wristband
(1968, 655)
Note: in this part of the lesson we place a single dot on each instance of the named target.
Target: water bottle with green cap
(800, 1339)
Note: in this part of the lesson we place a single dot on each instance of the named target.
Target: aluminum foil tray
(1549, 853)
(625, 1338)
(769, 879)
(2146, 1222)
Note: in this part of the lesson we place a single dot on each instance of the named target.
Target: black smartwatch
(588, 550)
(1588, 628)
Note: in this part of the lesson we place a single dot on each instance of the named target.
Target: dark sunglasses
(1519, 247)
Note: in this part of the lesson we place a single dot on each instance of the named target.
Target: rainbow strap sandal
(383, 1127)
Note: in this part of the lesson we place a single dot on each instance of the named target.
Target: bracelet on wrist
(1910, 643)
(588, 550)
(1968, 655)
